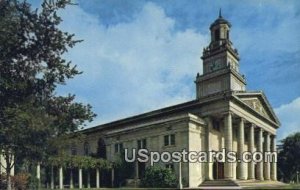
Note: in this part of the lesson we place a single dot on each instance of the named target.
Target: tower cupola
(219, 30)
(220, 63)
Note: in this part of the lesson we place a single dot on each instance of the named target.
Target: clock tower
(220, 63)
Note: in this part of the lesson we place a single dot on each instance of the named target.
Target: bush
(33, 182)
(2, 181)
(159, 178)
(20, 181)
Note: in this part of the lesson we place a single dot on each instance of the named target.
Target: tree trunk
(8, 170)
(8, 179)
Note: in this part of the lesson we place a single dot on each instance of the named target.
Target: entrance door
(142, 168)
(218, 170)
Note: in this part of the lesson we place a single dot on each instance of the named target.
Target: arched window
(86, 148)
(101, 149)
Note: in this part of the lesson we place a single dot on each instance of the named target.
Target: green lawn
(290, 186)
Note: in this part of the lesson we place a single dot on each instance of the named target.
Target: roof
(184, 107)
(147, 115)
(263, 99)
(220, 20)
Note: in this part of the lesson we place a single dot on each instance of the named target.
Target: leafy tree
(289, 157)
(158, 177)
(123, 169)
(33, 119)
(76, 161)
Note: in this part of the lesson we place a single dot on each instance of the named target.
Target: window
(86, 148)
(216, 125)
(142, 144)
(217, 34)
(118, 147)
(170, 166)
(169, 139)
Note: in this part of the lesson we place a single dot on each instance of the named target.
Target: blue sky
(141, 55)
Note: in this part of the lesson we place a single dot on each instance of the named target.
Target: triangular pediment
(258, 102)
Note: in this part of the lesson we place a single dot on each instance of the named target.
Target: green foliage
(123, 170)
(158, 177)
(74, 161)
(33, 183)
(34, 121)
(289, 157)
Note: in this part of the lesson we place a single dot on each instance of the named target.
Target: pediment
(258, 102)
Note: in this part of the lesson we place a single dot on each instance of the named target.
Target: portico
(258, 140)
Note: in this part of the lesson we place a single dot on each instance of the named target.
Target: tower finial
(220, 13)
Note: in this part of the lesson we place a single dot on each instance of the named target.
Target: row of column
(266, 170)
(61, 178)
(61, 185)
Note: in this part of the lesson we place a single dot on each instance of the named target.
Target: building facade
(224, 114)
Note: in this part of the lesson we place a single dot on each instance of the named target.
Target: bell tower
(220, 63)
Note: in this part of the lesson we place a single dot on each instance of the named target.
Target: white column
(136, 172)
(267, 164)
(112, 177)
(209, 164)
(241, 142)
(80, 178)
(137, 169)
(274, 164)
(71, 179)
(52, 178)
(260, 165)
(251, 149)
(38, 173)
(179, 176)
(61, 178)
(97, 178)
(228, 173)
(88, 179)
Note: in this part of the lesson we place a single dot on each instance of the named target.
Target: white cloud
(133, 67)
(289, 117)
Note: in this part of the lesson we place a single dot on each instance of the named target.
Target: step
(218, 183)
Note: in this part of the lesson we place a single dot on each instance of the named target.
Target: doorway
(218, 170)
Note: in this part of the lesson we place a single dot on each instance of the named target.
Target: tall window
(86, 148)
(118, 147)
(169, 139)
(217, 34)
(142, 144)
(216, 125)
(101, 149)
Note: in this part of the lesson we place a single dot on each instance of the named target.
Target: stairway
(219, 183)
(133, 183)
(260, 184)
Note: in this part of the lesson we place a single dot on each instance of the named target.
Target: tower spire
(220, 13)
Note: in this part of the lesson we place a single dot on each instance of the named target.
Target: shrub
(33, 182)
(20, 181)
(2, 181)
(159, 177)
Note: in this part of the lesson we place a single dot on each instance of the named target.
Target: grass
(288, 186)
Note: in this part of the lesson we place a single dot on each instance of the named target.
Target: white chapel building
(224, 114)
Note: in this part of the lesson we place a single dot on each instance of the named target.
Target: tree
(158, 177)
(123, 169)
(289, 157)
(32, 117)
